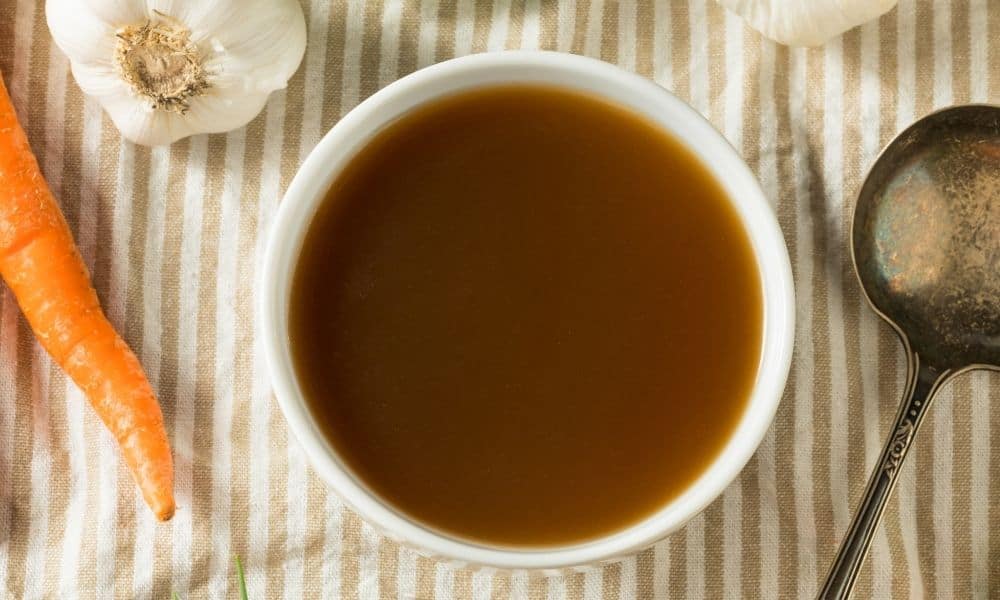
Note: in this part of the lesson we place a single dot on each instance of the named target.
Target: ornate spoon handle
(922, 383)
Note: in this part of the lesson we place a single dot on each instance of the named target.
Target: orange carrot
(42, 266)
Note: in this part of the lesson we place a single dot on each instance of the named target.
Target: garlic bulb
(167, 69)
(806, 22)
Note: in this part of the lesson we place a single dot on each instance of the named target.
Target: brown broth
(524, 316)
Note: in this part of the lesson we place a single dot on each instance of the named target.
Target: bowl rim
(610, 83)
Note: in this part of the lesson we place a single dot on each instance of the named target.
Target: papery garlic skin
(245, 49)
(806, 22)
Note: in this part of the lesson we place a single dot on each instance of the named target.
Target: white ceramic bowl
(600, 79)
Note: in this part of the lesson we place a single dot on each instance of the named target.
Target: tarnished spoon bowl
(926, 249)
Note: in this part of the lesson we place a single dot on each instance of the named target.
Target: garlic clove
(141, 124)
(806, 22)
(99, 80)
(80, 34)
(112, 12)
(262, 42)
(216, 113)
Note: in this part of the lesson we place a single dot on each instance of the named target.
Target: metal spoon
(926, 249)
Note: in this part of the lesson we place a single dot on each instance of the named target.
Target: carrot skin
(43, 268)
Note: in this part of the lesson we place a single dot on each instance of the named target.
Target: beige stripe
(19, 482)
(38, 459)
(608, 26)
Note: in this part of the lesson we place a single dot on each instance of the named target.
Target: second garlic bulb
(806, 22)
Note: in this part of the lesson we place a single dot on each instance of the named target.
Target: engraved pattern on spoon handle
(923, 382)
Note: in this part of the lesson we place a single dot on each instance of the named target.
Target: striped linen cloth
(174, 237)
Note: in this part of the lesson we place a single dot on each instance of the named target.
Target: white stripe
(979, 51)
(770, 541)
(871, 118)
(906, 62)
(482, 584)
(662, 51)
(627, 37)
(427, 37)
(979, 488)
(392, 11)
(497, 39)
(944, 409)
(942, 54)
(531, 27)
(227, 280)
(444, 583)
(566, 25)
(351, 74)
(145, 538)
(906, 488)
(770, 547)
(694, 558)
(334, 512)
(519, 585)
(465, 20)
(187, 361)
(41, 467)
(260, 402)
(557, 588)
(593, 584)
(941, 498)
(661, 570)
(629, 580)
(595, 29)
(406, 573)
(295, 520)
(121, 236)
(698, 65)
(733, 94)
(368, 584)
(804, 365)
(833, 172)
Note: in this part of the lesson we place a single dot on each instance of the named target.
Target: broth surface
(524, 316)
